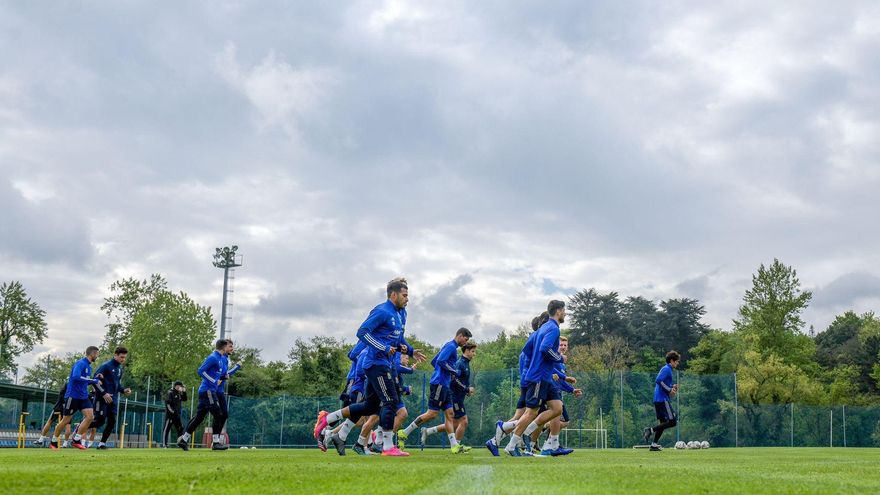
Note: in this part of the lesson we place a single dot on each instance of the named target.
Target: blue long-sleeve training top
(381, 331)
(461, 382)
(564, 385)
(444, 364)
(358, 383)
(111, 378)
(663, 384)
(545, 355)
(525, 357)
(79, 380)
(211, 372)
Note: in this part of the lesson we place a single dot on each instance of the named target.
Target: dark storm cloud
(845, 290)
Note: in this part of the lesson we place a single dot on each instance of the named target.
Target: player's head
(540, 320)
(404, 358)
(462, 336)
(178, 385)
(563, 345)
(92, 353)
(120, 354)
(469, 350)
(556, 310)
(398, 292)
(673, 358)
(230, 347)
(222, 345)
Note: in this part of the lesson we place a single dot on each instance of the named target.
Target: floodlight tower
(225, 258)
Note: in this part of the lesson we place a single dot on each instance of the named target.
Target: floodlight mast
(225, 258)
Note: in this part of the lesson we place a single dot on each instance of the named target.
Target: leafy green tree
(770, 318)
(50, 372)
(129, 295)
(256, 378)
(594, 316)
(317, 367)
(641, 319)
(718, 352)
(169, 338)
(679, 327)
(22, 325)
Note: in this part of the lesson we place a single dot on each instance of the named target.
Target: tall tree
(22, 325)
(594, 317)
(128, 296)
(51, 371)
(679, 326)
(318, 367)
(770, 318)
(169, 338)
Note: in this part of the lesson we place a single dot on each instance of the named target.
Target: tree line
(776, 360)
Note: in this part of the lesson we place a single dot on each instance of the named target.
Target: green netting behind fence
(615, 405)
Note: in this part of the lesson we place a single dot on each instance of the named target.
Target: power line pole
(225, 258)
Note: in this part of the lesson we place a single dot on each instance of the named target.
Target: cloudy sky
(498, 154)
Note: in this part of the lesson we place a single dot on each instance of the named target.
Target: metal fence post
(620, 430)
(844, 425)
(735, 413)
(792, 423)
(281, 436)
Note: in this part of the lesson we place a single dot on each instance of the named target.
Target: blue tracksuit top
(80, 379)
(545, 355)
(353, 357)
(444, 364)
(111, 376)
(229, 372)
(382, 330)
(462, 382)
(525, 357)
(211, 372)
(358, 383)
(560, 372)
(663, 384)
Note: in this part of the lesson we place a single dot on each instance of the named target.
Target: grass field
(435, 472)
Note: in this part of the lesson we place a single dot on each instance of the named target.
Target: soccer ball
(680, 445)
(693, 445)
(705, 444)
(243, 447)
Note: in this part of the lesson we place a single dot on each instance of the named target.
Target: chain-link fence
(617, 404)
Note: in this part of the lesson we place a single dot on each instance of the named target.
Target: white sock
(531, 428)
(515, 440)
(334, 417)
(186, 436)
(42, 439)
(554, 441)
(100, 444)
(346, 428)
(379, 432)
(387, 440)
(77, 437)
(412, 427)
(452, 440)
(362, 441)
(55, 439)
(508, 426)
(215, 438)
(431, 430)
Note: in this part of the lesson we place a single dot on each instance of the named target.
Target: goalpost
(600, 434)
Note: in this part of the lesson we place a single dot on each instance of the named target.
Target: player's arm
(447, 353)
(356, 351)
(365, 332)
(661, 379)
(207, 367)
(404, 370)
(82, 374)
(235, 369)
(549, 346)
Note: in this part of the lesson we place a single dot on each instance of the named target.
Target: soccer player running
(460, 388)
(664, 389)
(566, 384)
(76, 398)
(503, 428)
(109, 375)
(173, 402)
(383, 332)
(57, 411)
(542, 389)
(441, 396)
(212, 371)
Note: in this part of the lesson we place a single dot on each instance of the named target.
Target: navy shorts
(539, 393)
(212, 401)
(458, 409)
(440, 399)
(564, 414)
(104, 409)
(72, 405)
(664, 411)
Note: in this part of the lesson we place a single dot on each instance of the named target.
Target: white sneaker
(66, 444)
(424, 436)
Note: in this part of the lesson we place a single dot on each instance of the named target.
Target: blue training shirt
(353, 357)
(663, 384)
(111, 376)
(462, 382)
(360, 376)
(525, 358)
(545, 355)
(564, 385)
(381, 331)
(444, 364)
(211, 372)
(80, 379)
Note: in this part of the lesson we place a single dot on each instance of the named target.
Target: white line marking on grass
(461, 482)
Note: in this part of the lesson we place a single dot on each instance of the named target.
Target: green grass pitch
(435, 472)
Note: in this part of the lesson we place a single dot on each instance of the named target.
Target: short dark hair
(468, 346)
(177, 383)
(90, 349)
(221, 343)
(396, 285)
(120, 350)
(540, 320)
(463, 332)
(554, 306)
(672, 356)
